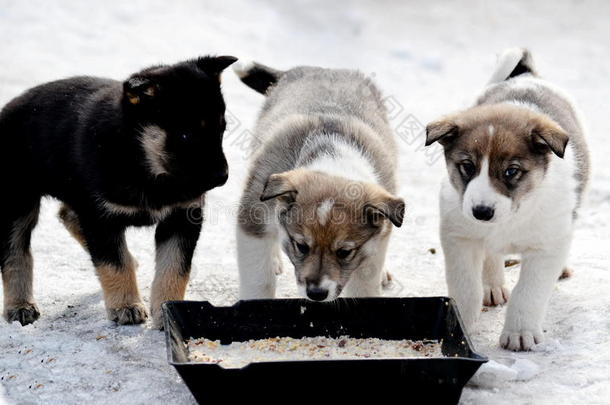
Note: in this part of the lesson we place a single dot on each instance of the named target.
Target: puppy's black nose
(317, 293)
(221, 178)
(483, 212)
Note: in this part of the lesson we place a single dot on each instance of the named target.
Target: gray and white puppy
(517, 167)
(322, 184)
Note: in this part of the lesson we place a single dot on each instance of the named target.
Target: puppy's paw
(522, 340)
(157, 318)
(495, 295)
(386, 280)
(129, 314)
(23, 313)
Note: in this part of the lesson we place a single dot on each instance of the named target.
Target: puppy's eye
(301, 247)
(467, 168)
(512, 173)
(344, 253)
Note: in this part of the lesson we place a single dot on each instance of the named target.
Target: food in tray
(239, 354)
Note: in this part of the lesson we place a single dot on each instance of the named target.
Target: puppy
(136, 153)
(517, 167)
(321, 184)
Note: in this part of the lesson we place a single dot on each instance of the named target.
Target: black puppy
(116, 154)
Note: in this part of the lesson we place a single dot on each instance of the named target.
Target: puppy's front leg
(494, 292)
(175, 239)
(463, 271)
(115, 268)
(530, 297)
(259, 260)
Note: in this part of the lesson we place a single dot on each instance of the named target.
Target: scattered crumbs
(432, 251)
(303, 309)
(100, 337)
(239, 354)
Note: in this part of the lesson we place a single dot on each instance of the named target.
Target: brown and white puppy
(321, 184)
(517, 167)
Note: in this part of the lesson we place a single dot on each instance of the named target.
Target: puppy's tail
(511, 63)
(257, 76)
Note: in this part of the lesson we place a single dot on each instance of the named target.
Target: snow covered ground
(428, 59)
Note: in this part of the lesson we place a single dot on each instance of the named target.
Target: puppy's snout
(220, 177)
(315, 293)
(483, 212)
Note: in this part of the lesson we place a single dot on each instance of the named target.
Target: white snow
(494, 375)
(431, 58)
(3, 400)
(526, 369)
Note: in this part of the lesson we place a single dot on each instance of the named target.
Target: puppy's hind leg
(259, 262)
(494, 292)
(17, 264)
(70, 221)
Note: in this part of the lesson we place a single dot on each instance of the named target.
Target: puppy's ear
(138, 89)
(279, 186)
(547, 136)
(214, 65)
(390, 207)
(444, 131)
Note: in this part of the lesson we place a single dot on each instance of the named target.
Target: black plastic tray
(400, 380)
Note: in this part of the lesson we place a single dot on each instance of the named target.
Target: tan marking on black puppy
(121, 295)
(70, 221)
(171, 278)
(153, 140)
